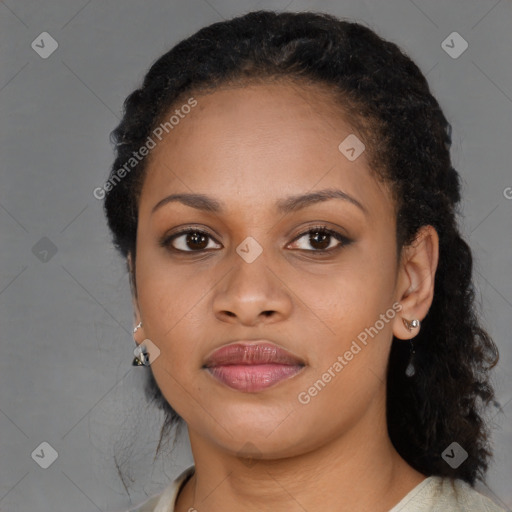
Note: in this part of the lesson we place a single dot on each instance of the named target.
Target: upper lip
(251, 353)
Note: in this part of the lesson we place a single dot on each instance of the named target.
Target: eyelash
(324, 230)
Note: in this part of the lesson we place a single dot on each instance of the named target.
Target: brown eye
(190, 240)
(321, 239)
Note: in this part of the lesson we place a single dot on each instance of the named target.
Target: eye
(189, 240)
(321, 239)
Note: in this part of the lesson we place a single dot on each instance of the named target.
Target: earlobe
(415, 283)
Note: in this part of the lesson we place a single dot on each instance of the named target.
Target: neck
(357, 471)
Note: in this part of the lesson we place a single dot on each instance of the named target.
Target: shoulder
(164, 502)
(441, 494)
(147, 506)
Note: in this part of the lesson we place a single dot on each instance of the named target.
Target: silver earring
(413, 324)
(410, 371)
(141, 356)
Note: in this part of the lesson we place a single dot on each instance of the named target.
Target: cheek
(166, 292)
(356, 294)
(350, 304)
(171, 308)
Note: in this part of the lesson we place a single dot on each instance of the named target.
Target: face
(265, 260)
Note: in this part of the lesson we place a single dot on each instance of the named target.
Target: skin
(248, 147)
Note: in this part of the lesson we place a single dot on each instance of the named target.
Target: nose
(252, 293)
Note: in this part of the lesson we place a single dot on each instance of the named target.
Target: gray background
(66, 345)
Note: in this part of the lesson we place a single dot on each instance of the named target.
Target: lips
(252, 366)
(251, 353)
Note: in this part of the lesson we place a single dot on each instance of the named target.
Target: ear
(133, 287)
(415, 282)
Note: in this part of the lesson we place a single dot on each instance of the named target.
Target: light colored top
(434, 494)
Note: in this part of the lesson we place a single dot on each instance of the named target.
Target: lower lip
(252, 378)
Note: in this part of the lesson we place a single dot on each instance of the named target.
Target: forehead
(256, 113)
(259, 141)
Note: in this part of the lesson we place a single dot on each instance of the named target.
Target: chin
(274, 433)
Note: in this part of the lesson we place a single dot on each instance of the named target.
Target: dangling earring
(141, 356)
(410, 371)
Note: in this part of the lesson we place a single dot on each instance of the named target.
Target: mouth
(252, 366)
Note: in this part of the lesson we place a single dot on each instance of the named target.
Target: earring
(141, 356)
(413, 324)
(410, 371)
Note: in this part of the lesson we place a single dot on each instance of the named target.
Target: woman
(284, 197)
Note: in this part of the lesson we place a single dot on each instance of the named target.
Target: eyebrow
(286, 205)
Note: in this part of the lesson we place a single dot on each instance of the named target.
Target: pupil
(196, 239)
(323, 236)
